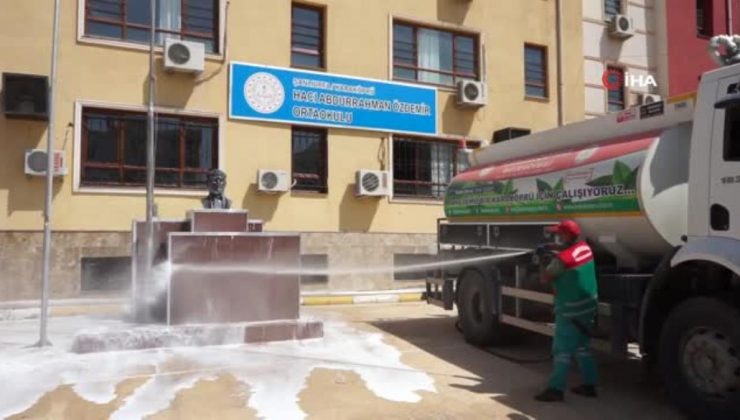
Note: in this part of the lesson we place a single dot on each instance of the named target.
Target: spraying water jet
(217, 278)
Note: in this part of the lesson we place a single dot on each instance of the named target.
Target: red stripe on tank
(551, 162)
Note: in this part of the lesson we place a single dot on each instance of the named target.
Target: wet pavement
(389, 361)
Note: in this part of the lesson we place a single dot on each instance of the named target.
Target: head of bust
(216, 182)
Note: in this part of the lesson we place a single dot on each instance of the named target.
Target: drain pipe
(559, 57)
(729, 17)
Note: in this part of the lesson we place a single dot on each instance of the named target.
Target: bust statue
(216, 185)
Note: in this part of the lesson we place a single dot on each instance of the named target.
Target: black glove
(541, 250)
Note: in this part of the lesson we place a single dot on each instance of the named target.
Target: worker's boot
(550, 395)
(585, 391)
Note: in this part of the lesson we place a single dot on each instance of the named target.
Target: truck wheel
(475, 308)
(700, 358)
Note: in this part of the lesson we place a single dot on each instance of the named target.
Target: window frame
(416, 25)
(219, 33)
(405, 198)
(545, 66)
(730, 151)
(79, 188)
(321, 189)
(622, 9)
(122, 166)
(625, 92)
(707, 29)
(321, 9)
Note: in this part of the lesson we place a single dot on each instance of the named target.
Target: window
(612, 7)
(704, 18)
(433, 56)
(130, 20)
(114, 149)
(309, 159)
(25, 96)
(535, 71)
(423, 168)
(307, 37)
(615, 101)
(731, 150)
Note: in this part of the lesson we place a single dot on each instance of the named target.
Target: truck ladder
(617, 345)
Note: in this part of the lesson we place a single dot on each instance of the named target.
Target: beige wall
(638, 55)
(358, 43)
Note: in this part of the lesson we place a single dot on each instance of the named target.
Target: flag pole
(150, 168)
(48, 193)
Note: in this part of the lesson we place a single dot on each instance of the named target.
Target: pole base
(41, 343)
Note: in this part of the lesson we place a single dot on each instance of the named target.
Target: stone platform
(223, 281)
(195, 335)
(210, 281)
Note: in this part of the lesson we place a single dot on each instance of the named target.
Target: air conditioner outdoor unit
(371, 183)
(648, 98)
(35, 163)
(270, 180)
(621, 26)
(472, 93)
(184, 56)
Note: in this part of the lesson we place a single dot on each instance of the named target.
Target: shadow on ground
(625, 392)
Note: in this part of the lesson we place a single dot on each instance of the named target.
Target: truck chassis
(496, 298)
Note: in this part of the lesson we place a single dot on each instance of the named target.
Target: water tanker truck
(656, 191)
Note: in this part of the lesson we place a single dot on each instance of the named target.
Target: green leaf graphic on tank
(559, 186)
(509, 188)
(543, 186)
(498, 187)
(601, 181)
(622, 173)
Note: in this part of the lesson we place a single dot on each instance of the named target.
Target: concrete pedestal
(223, 273)
(146, 289)
(211, 279)
(211, 220)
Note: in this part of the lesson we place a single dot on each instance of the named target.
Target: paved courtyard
(390, 361)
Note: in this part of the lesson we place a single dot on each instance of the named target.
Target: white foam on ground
(16, 314)
(273, 373)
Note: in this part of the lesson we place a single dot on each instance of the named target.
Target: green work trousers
(570, 342)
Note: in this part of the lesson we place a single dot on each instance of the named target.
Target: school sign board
(283, 95)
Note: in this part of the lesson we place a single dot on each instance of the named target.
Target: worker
(573, 277)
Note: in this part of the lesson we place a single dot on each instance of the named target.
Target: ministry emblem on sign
(264, 93)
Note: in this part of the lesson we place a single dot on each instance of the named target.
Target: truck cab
(693, 308)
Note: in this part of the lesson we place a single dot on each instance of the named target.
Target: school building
(351, 112)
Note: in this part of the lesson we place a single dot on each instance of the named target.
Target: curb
(27, 309)
(34, 304)
(360, 299)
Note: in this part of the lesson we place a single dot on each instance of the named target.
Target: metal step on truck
(656, 191)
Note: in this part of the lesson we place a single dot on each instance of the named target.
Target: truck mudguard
(719, 250)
